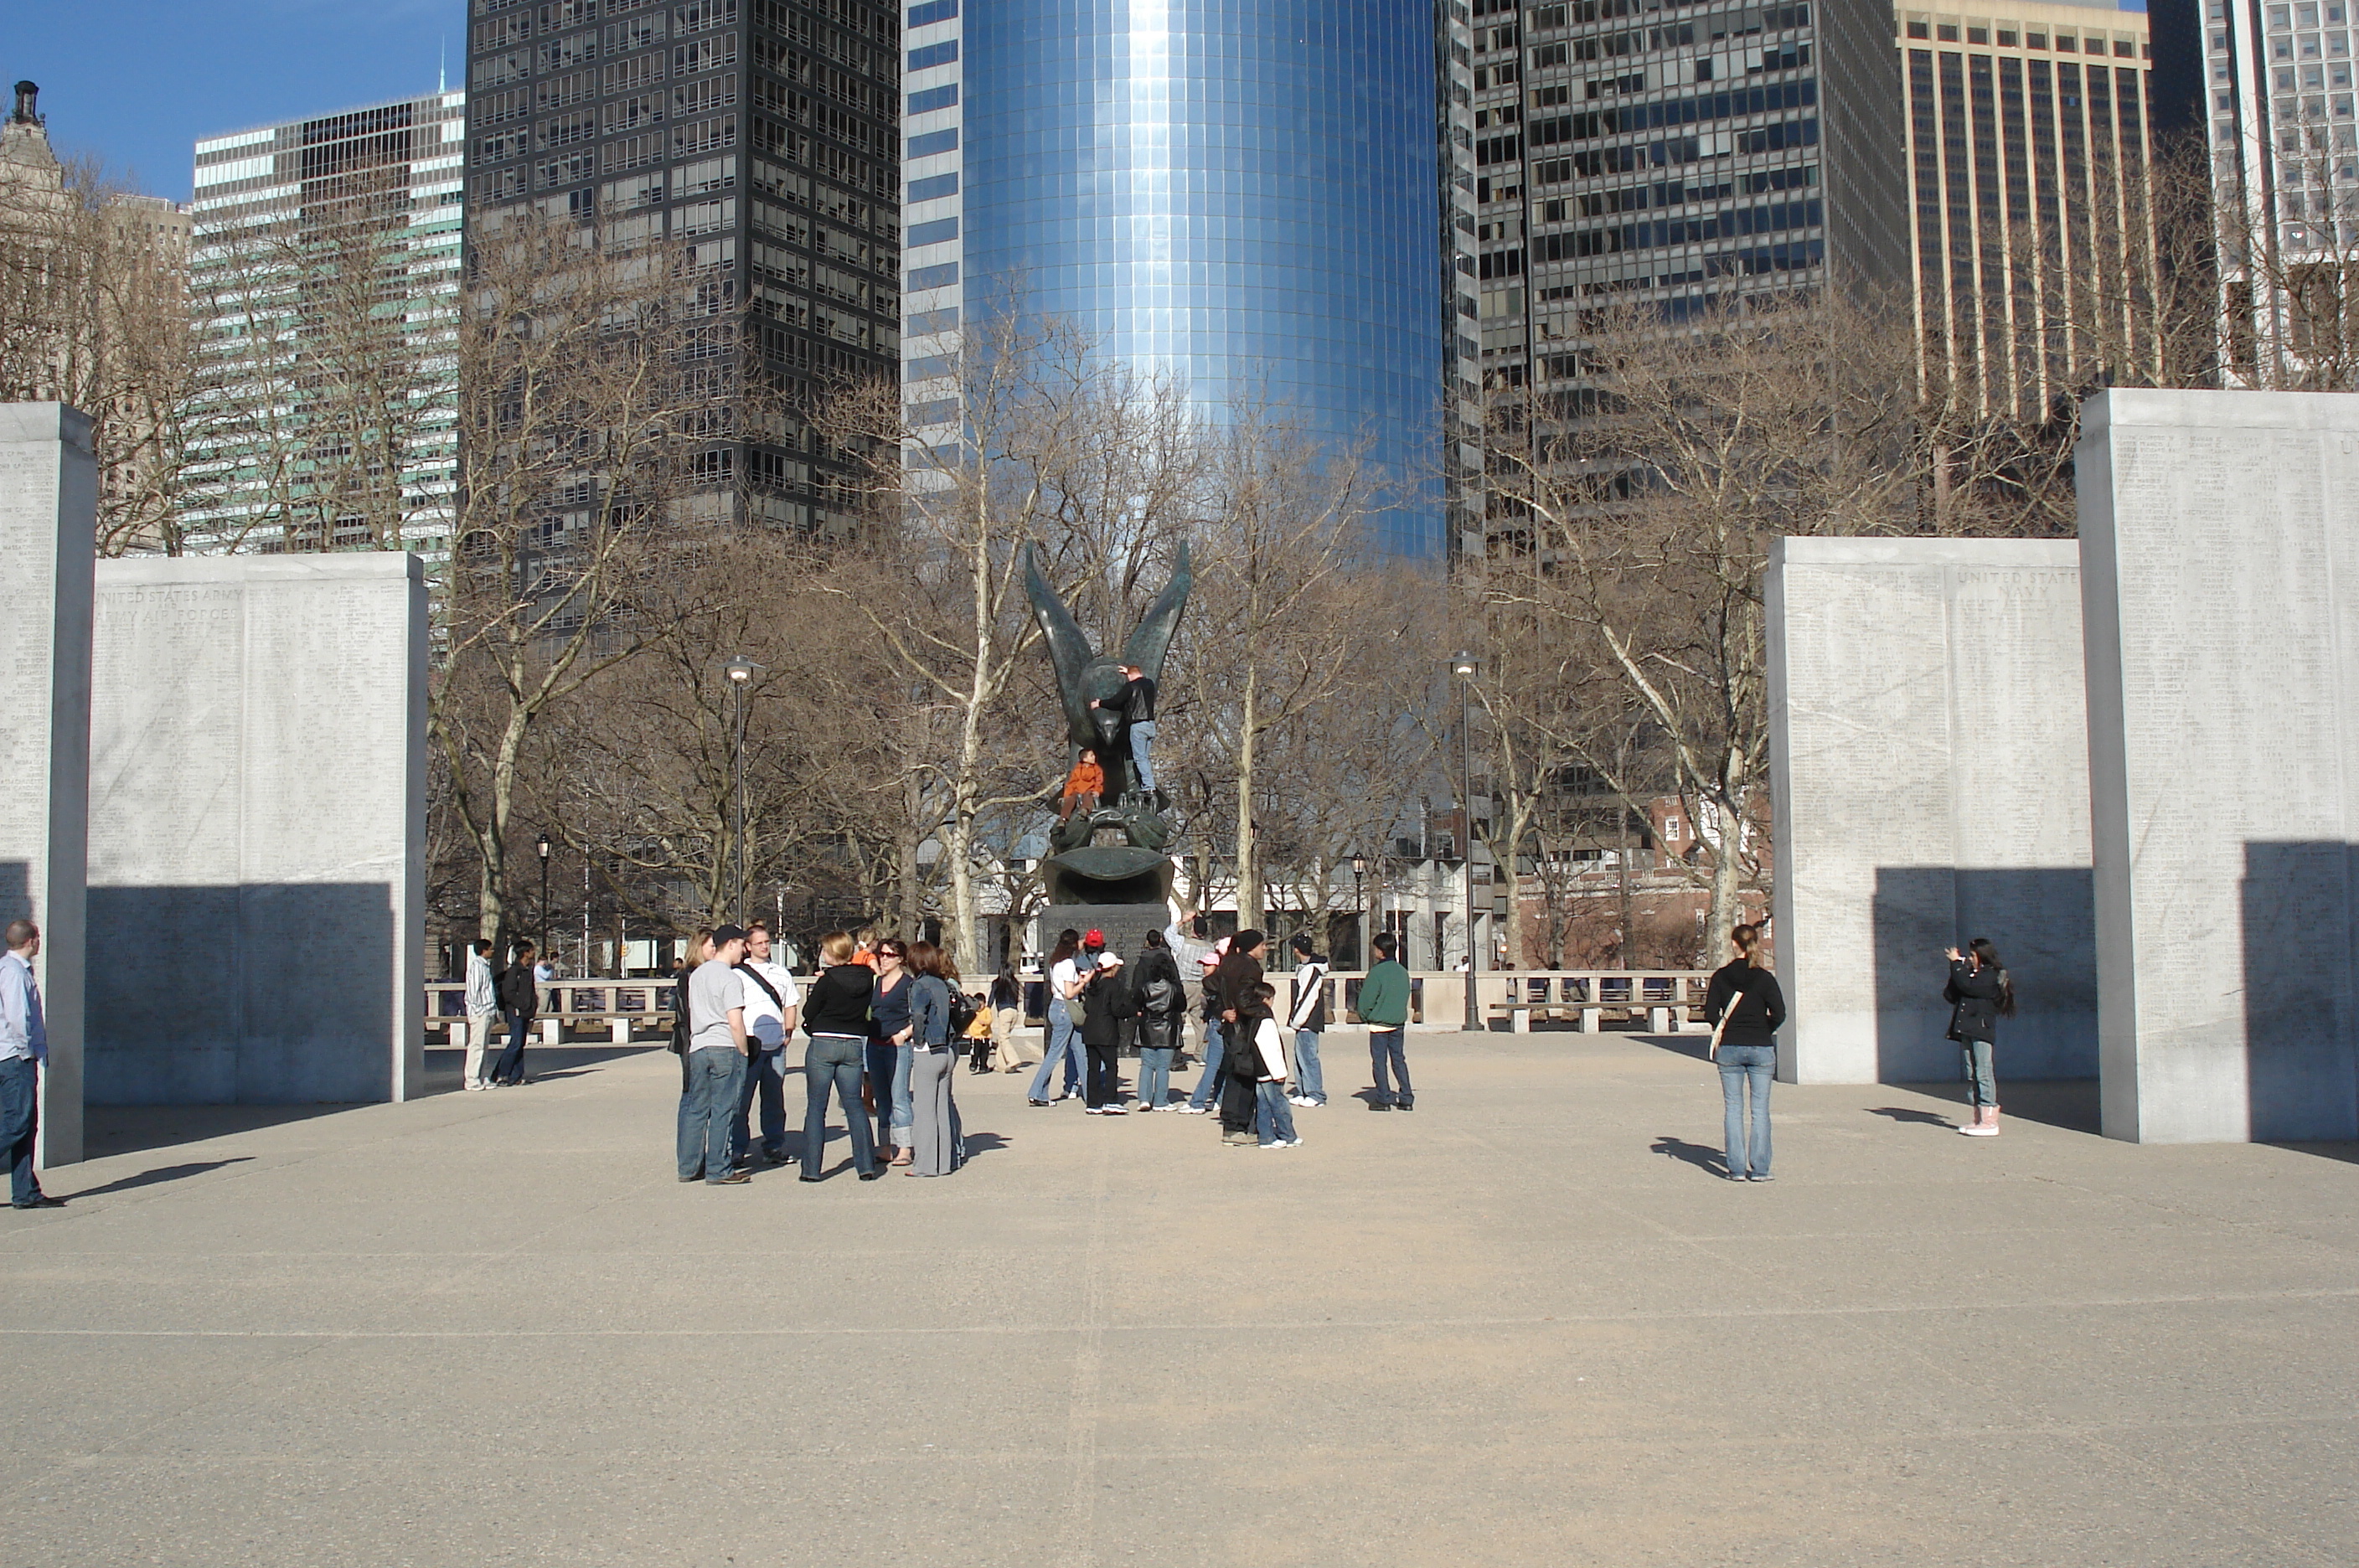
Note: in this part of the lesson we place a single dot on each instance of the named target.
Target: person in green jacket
(1384, 1008)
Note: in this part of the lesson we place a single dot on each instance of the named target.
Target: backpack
(962, 1014)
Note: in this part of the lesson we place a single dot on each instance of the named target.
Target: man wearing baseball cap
(716, 1060)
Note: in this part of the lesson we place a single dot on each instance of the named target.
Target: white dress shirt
(22, 1031)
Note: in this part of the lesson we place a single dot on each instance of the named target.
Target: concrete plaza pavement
(1524, 1325)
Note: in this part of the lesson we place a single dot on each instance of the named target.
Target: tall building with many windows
(2029, 155)
(1673, 154)
(2269, 87)
(1255, 198)
(323, 269)
(760, 132)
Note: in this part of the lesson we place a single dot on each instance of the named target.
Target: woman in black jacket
(1979, 993)
(1234, 990)
(1107, 1007)
(836, 1012)
(1161, 997)
(1745, 1006)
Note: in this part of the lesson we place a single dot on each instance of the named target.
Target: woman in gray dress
(933, 1115)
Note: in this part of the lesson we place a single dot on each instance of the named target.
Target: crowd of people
(886, 1022)
(1258, 1066)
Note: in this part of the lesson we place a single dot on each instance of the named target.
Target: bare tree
(1645, 510)
(589, 392)
(93, 311)
(1055, 446)
(1277, 629)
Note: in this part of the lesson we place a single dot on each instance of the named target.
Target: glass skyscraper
(1251, 196)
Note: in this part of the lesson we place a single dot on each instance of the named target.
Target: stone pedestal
(49, 518)
(1125, 925)
(257, 830)
(2220, 540)
(1929, 775)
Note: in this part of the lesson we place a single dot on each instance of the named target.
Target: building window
(934, 98)
(934, 11)
(932, 188)
(944, 53)
(933, 142)
(940, 277)
(938, 232)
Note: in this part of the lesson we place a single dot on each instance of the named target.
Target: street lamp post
(542, 844)
(1463, 667)
(1360, 907)
(741, 671)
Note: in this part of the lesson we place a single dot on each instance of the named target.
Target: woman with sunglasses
(888, 1049)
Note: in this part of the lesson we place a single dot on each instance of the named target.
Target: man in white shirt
(717, 1045)
(482, 1011)
(773, 1007)
(24, 1048)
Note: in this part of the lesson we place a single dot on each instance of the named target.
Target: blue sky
(135, 83)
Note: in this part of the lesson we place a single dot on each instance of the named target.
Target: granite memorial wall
(48, 503)
(2220, 540)
(1929, 762)
(257, 782)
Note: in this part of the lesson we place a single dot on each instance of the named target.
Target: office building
(2268, 88)
(760, 133)
(1673, 154)
(324, 273)
(1256, 200)
(2029, 154)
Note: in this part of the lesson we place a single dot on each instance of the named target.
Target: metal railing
(625, 1012)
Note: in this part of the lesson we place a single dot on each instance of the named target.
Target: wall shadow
(2070, 1103)
(2043, 920)
(2301, 908)
(260, 994)
(16, 891)
(129, 1129)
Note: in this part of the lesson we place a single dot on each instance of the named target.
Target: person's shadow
(1709, 1160)
(163, 1174)
(1903, 1114)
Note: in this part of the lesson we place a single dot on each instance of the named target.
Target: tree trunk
(911, 896)
(1726, 873)
(1622, 865)
(1248, 871)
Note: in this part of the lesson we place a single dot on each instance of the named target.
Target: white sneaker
(1301, 1100)
(1293, 1143)
(1114, 1111)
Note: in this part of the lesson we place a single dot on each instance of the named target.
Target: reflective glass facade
(1249, 196)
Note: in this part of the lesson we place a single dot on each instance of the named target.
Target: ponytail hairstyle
(1747, 939)
(1986, 956)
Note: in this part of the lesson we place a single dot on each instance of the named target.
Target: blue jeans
(1208, 1082)
(20, 1124)
(1142, 738)
(1308, 1081)
(1740, 1064)
(1153, 1075)
(1975, 1061)
(765, 1077)
(1385, 1050)
(713, 1075)
(1273, 1118)
(1065, 1046)
(509, 1069)
(832, 1061)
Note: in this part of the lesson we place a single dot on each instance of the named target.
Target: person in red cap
(1108, 994)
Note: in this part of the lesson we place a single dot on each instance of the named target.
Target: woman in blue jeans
(1745, 1006)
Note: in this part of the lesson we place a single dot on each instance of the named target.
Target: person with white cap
(1106, 1002)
